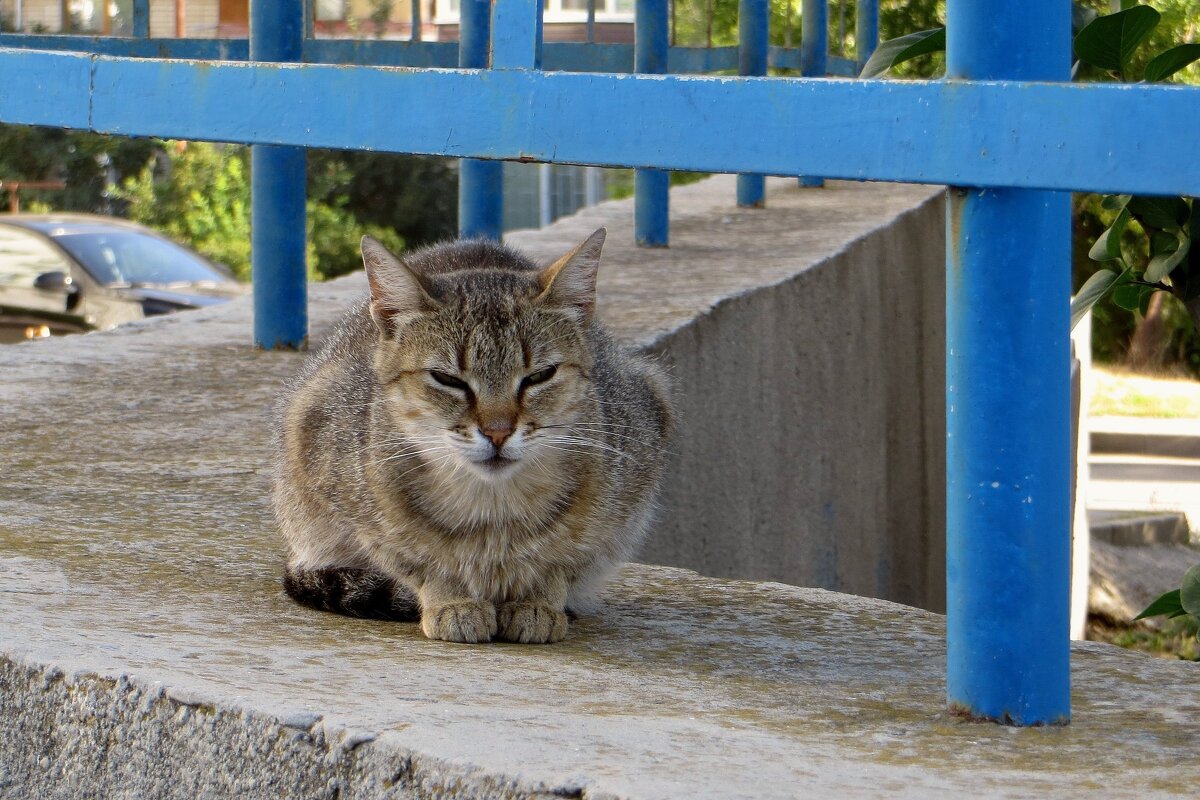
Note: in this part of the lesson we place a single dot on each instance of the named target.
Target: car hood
(185, 296)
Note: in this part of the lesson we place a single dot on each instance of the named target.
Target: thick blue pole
(651, 187)
(1008, 402)
(753, 29)
(814, 53)
(480, 183)
(866, 30)
(277, 215)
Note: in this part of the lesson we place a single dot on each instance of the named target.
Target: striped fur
(469, 437)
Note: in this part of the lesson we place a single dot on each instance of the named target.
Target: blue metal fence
(1004, 127)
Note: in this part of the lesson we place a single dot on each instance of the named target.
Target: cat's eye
(541, 376)
(445, 379)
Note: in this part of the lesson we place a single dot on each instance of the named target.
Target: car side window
(24, 256)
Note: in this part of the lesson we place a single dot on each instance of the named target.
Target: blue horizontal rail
(1053, 136)
(556, 56)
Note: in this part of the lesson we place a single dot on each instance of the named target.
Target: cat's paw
(532, 623)
(468, 622)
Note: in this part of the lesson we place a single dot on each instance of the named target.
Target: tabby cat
(470, 447)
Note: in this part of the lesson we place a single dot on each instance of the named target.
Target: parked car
(72, 273)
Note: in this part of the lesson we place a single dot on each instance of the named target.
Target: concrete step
(1133, 528)
(1148, 484)
(1166, 438)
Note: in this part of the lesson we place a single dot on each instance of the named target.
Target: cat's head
(483, 358)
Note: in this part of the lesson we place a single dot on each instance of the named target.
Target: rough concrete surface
(147, 651)
(1125, 579)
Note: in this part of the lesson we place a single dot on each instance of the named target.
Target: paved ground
(147, 651)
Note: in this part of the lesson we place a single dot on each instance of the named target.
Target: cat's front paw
(468, 622)
(532, 623)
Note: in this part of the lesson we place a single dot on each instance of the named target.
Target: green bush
(201, 198)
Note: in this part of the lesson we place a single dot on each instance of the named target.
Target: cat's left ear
(395, 289)
(571, 281)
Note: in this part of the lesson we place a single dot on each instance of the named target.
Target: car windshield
(131, 258)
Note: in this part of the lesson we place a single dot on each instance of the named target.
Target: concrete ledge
(147, 651)
(683, 687)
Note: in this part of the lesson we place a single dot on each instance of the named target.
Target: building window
(330, 10)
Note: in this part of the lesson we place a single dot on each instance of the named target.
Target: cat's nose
(497, 430)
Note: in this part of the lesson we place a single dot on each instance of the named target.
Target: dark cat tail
(350, 591)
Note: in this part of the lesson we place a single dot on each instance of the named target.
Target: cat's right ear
(395, 289)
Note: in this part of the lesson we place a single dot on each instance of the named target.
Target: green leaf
(1130, 296)
(1114, 202)
(1163, 242)
(1081, 17)
(904, 48)
(1162, 264)
(1091, 292)
(1144, 306)
(1189, 593)
(1110, 41)
(1108, 246)
(1168, 62)
(1159, 212)
(1168, 603)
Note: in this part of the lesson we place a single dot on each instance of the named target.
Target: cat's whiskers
(430, 464)
(600, 427)
(592, 443)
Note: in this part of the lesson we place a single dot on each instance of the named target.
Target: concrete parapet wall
(813, 445)
(808, 343)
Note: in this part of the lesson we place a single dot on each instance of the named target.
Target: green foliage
(81, 160)
(333, 236)
(1178, 602)
(897, 51)
(620, 181)
(203, 201)
(1165, 255)
(381, 12)
(1109, 42)
(1173, 637)
(415, 196)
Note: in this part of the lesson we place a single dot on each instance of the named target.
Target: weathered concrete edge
(147, 740)
(1149, 528)
(656, 342)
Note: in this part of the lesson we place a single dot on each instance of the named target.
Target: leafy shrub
(200, 197)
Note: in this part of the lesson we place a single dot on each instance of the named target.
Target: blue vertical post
(1008, 456)
(814, 53)
(866, 31)
(141, 19)
(753, 30)
(651, 187)
(415, 35)
(517, 35)
(480, 183)
(277, 215)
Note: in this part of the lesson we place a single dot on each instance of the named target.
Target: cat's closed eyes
(469, 448)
